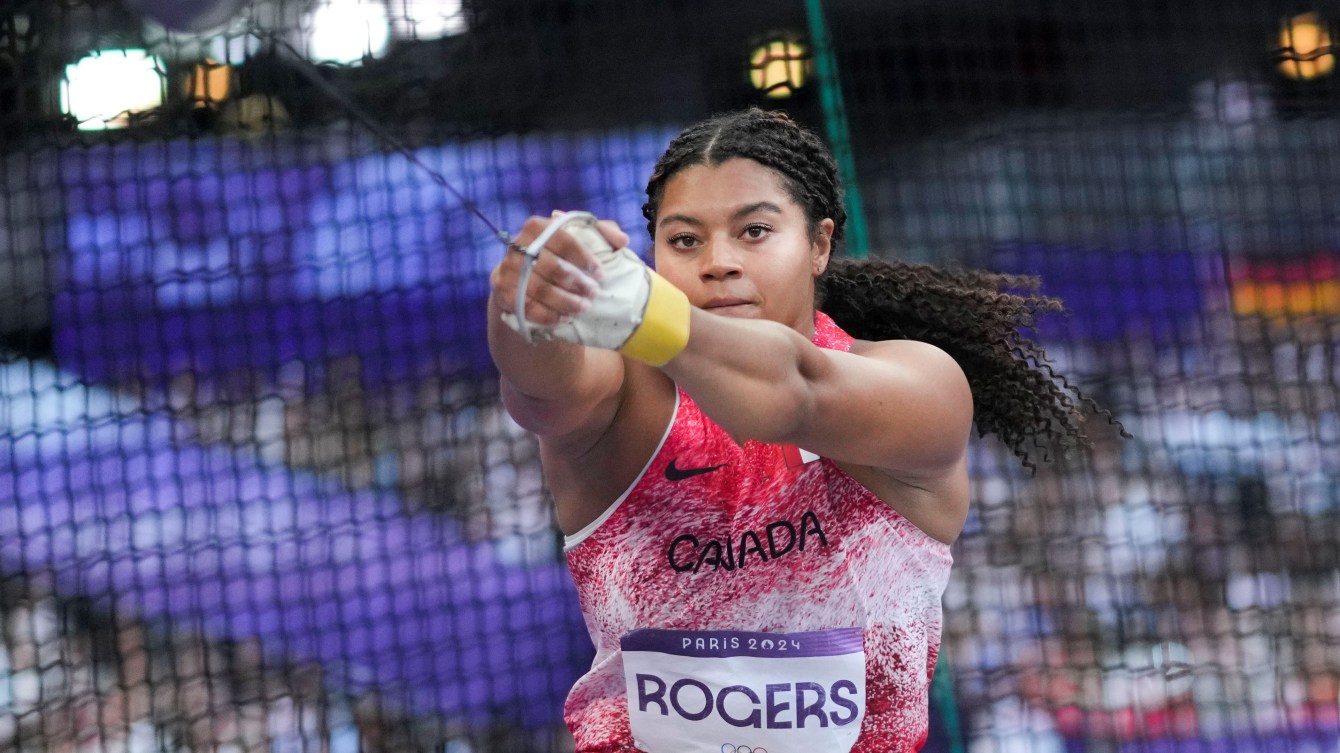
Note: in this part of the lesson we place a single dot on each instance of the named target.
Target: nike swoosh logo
(679, 474)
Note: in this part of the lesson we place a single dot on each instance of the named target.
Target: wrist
(664, 330)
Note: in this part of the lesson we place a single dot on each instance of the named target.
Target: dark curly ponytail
(982, 319)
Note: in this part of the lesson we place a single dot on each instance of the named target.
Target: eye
(682, 241)
(756, 231)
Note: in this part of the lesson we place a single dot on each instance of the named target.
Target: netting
(257, 491)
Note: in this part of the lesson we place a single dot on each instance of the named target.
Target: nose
(719, 262)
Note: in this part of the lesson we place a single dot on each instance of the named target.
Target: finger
(538, 312)
(502, 286)
(503, 277)
(565, 275)
(554, 298)
(541, 315)
(530, 230)
(550, 267)
(546, 304)
(613, 233)
(562, 244)
(540, 288)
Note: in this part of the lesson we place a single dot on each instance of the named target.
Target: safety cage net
(257, 489)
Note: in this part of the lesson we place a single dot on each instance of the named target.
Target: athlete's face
(737, 244)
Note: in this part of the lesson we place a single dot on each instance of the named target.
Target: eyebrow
(744, 211)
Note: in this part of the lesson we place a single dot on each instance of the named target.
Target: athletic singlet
(715, 543)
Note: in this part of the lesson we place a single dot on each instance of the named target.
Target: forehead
(735, 182)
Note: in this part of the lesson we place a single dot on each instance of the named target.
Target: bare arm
(900, 406)
(553, 389)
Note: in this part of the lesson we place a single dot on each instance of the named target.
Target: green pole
(858, 247)
(942, 695)
(835, 124)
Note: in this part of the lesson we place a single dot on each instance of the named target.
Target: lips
(725, 302)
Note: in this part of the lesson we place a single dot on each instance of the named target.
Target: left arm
(900, 406)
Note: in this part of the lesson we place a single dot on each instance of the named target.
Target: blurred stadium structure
(256, 490)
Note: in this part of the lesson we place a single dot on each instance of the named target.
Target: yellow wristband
(664, 330)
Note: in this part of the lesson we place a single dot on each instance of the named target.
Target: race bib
(729, 692)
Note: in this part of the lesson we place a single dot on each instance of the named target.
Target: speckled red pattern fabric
(759, 543)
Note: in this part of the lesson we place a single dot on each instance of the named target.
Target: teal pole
(835, 125)
(858, 247)
(942, 695)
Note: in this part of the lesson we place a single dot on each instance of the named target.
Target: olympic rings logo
(728, 748)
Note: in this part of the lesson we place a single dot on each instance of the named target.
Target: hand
(632, 310)
(565, 278)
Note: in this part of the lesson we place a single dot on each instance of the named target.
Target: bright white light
(234, 48)
(345, 31)
(103, 89)
(427, 19)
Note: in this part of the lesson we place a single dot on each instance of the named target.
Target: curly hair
(980, 318)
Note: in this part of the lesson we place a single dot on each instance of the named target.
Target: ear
(822, 246)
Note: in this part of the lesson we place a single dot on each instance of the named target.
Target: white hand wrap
(637, 312)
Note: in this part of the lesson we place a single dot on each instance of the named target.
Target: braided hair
(980, 318)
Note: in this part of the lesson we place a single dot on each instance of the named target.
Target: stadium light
(103, 90)
(210, 82)
(233, 48)
(346, 31)
(779, 67)
(427, 19)
(1305, 48)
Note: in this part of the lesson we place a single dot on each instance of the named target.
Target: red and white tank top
(754, 598)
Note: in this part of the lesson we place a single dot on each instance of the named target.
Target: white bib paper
(725, 691)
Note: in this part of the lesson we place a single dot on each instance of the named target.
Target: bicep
(901, 406)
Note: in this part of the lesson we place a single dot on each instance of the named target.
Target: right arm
(553, 389)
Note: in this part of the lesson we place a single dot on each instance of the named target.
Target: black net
(256, 488)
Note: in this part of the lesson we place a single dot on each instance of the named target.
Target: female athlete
(760, 484)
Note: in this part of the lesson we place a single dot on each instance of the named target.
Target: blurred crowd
(1183, 583)
(79, 680)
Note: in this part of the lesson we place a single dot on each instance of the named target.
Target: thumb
(613, 233)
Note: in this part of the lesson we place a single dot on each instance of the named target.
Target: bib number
(726, 691)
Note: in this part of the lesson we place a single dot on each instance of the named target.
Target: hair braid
(980, 318)
(769, 138)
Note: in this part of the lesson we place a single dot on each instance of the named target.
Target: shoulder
(923, 412)
(916, 353)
